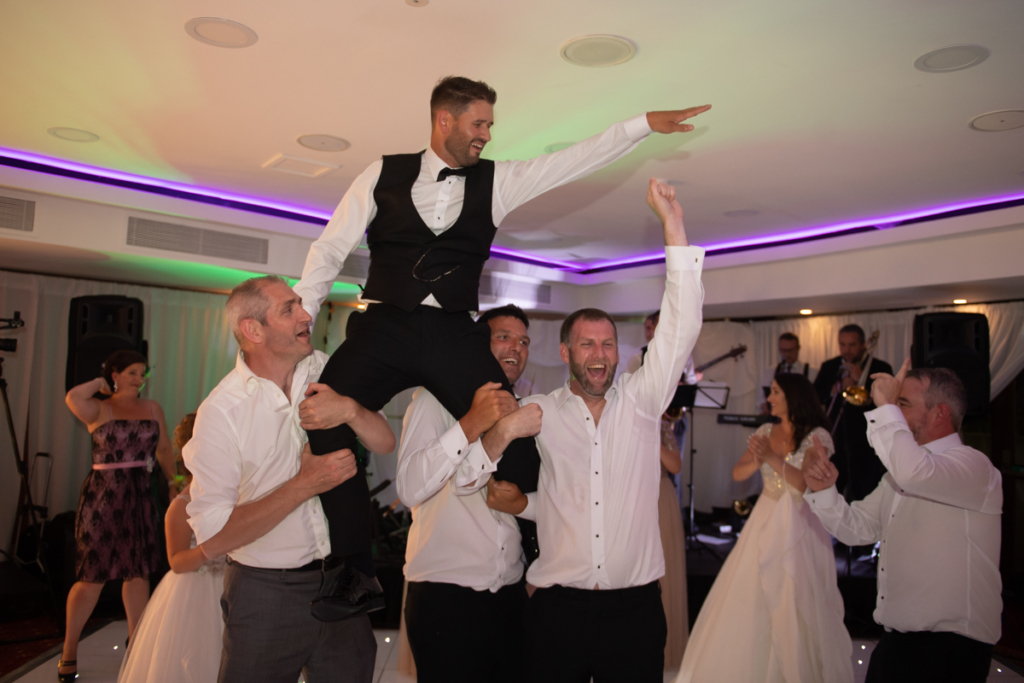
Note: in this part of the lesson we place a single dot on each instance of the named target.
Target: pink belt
(120, 465)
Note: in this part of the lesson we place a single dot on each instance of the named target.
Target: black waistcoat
(408, 261)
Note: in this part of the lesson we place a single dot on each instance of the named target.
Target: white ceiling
(819, 115)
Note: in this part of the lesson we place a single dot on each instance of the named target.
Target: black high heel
(68, 677)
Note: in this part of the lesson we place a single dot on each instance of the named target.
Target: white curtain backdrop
(190, 350)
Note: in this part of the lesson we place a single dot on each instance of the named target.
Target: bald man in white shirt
(937, 516)
(254, 496)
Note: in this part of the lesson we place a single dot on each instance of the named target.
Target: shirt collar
(251, 381)
(434, 163)
(564, 393)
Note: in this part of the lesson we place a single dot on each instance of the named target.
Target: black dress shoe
(355, 593)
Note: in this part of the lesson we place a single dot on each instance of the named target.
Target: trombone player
(860, 470)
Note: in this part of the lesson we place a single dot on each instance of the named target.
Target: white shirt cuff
(455, 443)
(883, 415)
(684, 258)
(822, 500)
(637, 128)
(479, 461)
(530, 512)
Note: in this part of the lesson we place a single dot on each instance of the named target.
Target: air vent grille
(17, 214)
(357, 265)
(188, 240)
(501, 288)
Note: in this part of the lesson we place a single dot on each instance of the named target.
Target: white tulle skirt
(179, 638)
(774, 614)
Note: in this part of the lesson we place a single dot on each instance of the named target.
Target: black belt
(326, 564)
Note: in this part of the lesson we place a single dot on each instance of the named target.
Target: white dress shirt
(597, 500)
(440, 203)
(689, 370)
(937, 514)
(246, 443)
(455, 538)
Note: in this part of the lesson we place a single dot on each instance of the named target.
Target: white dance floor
(99, 658)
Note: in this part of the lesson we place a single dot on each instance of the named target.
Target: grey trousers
(270, 636)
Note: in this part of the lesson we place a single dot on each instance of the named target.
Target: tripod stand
(688, 397)
(29, 515)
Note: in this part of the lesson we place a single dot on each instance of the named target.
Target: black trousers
(929, 657)
(388, 350)
(574, 635)
(459, 635)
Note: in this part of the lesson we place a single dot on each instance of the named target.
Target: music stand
(704, 395)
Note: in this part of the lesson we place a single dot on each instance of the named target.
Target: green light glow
(161, 272)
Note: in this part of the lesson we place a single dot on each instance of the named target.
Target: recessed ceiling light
(805, 311)
(959, 301)
(324, 143)
(742, 213)
(952, 58)
(998, 121)
(220, 32)
(73, 134)
(598, 50)
(298, 166)
(417, 3)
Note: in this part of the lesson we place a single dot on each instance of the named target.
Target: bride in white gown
(179, 637)
(775, 614)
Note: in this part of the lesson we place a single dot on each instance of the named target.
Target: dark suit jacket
(829, 375)
(860, 470)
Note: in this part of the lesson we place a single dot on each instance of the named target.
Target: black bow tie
(445, 172)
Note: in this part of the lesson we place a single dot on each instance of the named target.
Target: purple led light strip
(78, 171)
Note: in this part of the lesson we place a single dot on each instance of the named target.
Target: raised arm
(81, 402)
(340, 237)
(324, 408)
(962, 477)
(517, 182)
(679, 326)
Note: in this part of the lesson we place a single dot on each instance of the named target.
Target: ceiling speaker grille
(188, 240)
(17, 214)
(500, 288)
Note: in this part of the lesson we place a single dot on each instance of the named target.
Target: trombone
(856, 394)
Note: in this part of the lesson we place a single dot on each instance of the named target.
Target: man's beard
(458, 146)
(579, 371)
